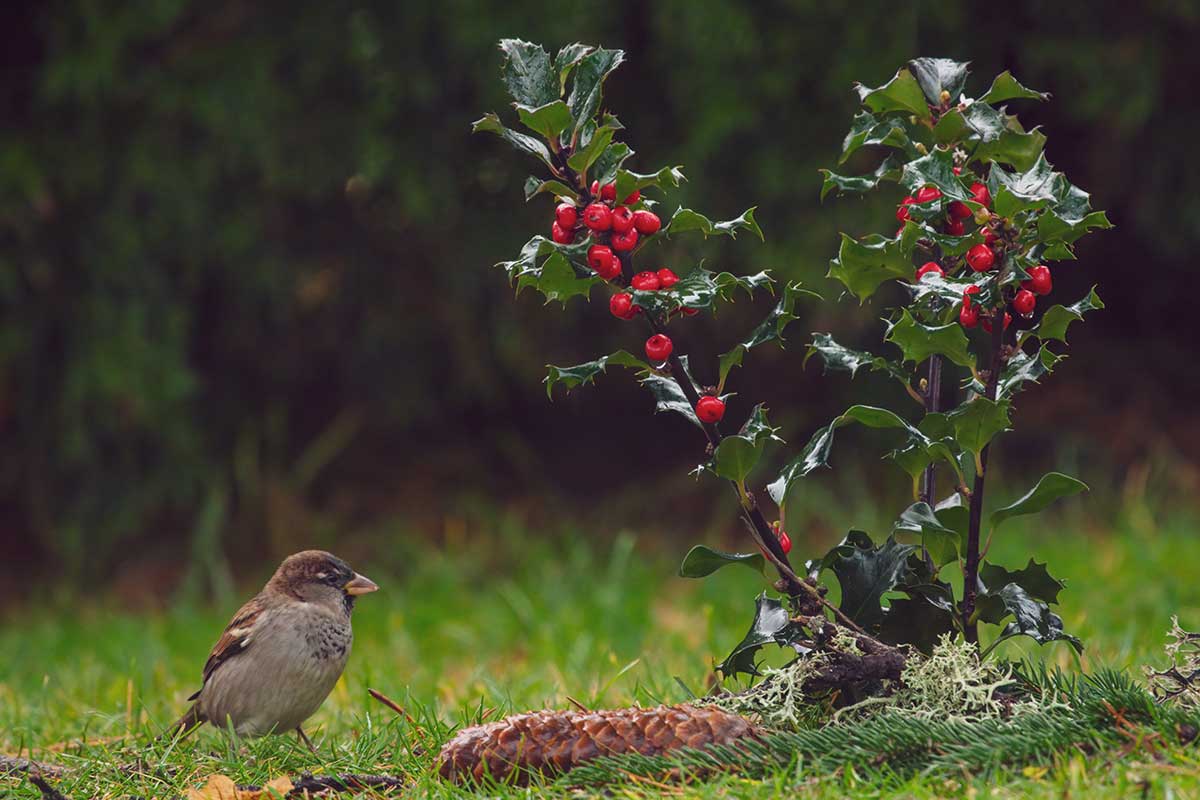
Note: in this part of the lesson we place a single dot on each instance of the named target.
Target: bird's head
(316, 576)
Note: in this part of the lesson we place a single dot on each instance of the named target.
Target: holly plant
(605, 223)
(982, 216)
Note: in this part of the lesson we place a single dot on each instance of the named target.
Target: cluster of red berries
(1023, 302)
(957, 212)
(605, 218)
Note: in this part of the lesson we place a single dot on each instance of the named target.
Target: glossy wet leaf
(868, 129)
(863, 264)
(528, 73)
(1024, 368)
(838, 358)
(901, 93)
(866, 572)
(942, 541)
(701, 561)
(772, 625)
(915, 621)
(1033, 618)
(535, 186)
(629, 182)
(669, 396)
(1006, 87)
(918, 341)
(1033, 578)
(737, 455)
(935, 169)
(889, 169)
(566, 60)
(1051, 487)
(685, 219)
(490, 123)
(936, 75)
(769, 330)
(1057, 319)
(589, 75)
(976, 422)
(606, 168)
(580, 374)
(588, 155)
(547, 121)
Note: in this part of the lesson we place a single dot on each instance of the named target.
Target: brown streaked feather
(234, 639)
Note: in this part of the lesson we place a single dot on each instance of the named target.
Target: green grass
(515, 622)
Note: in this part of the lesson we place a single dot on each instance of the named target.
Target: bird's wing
(234, 639)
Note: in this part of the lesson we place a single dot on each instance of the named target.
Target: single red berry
(968, 316)
(659, 347)
(690, 312)
(901, 211)
(785, 541)
(646, 222)
(981, 258)
(608, 192)
(958, 210)
(989, 237)
(928, 193)
(710, 409)
(1039, 280)
(667, 278)
(559, 235)
(601, 259)
(1024, 302)
(596, 189)
(622, 220)
(646, 282)
(958, 170)
(987, 322)
(633, 198)
(955, 227)
(980, 194)
(566, 216)
(597, 217)
(624, 241)
(967, 292)
(930, 268)
(621, 305)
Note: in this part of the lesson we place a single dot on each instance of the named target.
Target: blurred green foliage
(244, 246)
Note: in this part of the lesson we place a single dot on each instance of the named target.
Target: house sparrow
(279, 658)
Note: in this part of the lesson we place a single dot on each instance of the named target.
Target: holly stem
(971, 567)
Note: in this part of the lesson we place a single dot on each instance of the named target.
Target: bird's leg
(306, 740)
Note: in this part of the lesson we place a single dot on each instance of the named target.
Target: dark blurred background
(245, 258)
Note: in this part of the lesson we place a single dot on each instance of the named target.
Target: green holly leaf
(1033, 618)
(1034, 579)
(737, 455)
(1024, 368)
(1051, 487)
(684, 219)
(702, 561)
(566, 61)
(838, 358)
(915, 621)
(951, 245)
(590, 72)
(862, 265)
(578, 375)
(606, 168)
(583, 158)
(699, 289)
(1006, 87)
(535, 186)
(490, 123)
(669, 396)
(1020, 148)
(1053, 227)
(866, 572)
(941, 541)
(772, 625)
(868, 129)
(935, 169)
(548, 121)
(976, 422)
(888, 170)
(1013, 192)
(901, 93)
(528, 73)
(1057, 319)
(629, 182)
(936, 75)
(947, 288)
(918, 341)
(769, 330)
(558, 280)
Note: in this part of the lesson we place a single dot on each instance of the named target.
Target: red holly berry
(608, 192)
(659, 347)
(710, 409)
(622, 220)
(646, 222)
(690, 312)
(958, 170)
(566, 216)
(621, 305)
(930, 268)
(624, 241)
(980, 194)
(1039, 280)
(981, 258)
(633, 198)
(785, 541)
(601, 259)
(927, 193)
(968, 316)
(901, 211)
(667, 278)
(559, 235)
(597, 217)
(596, 189)
(955, 227)
(967, 292)
(1024, 302)
(987, 322)
(958, 210)
(989, 237)
(646, 282)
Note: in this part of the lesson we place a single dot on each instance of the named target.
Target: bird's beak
(359, 585)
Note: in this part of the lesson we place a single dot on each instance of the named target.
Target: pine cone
(552, 742)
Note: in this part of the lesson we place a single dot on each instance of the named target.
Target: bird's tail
(191, 719)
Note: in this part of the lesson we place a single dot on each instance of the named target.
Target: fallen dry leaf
(220, 787)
